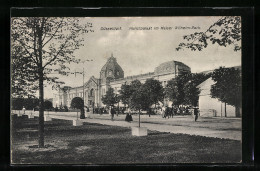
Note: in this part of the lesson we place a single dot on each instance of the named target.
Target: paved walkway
(228, 128)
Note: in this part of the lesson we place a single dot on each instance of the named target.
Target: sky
(140, 51)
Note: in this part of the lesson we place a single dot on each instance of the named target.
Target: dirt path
(228, 128)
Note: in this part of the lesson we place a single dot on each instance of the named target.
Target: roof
(169, 67)
(111, 64)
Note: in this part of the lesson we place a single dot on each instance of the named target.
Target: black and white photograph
(126, 90)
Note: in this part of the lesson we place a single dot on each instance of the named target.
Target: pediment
(92, 82)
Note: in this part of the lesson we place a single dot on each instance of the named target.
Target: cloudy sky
(140, 51)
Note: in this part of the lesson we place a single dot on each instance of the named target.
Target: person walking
(163, 112)
(167, 112)
(23, 110)
(196, 113)
(128, 117)
(113, 112)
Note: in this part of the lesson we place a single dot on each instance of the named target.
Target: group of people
(112, 113)
(167, 111)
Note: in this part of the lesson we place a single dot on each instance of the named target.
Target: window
(92, 92)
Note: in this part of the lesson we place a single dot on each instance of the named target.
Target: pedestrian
(101, 111)
(113, 112)
(23, 110)
(128, 117)
(163, 112)
(167, 112)
(196, 113)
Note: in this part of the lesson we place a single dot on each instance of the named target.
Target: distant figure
(163, 112)
(23, 110)
(128, 117)
(113, 112)
(100, 111)
(167, 112)
(196, 113)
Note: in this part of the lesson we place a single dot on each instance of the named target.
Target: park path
(228, 128)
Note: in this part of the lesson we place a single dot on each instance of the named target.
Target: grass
(102, 144)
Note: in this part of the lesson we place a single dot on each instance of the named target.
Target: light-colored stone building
(112, 75)
(211, 106)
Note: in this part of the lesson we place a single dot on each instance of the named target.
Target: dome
(111, 69)
(171, 67)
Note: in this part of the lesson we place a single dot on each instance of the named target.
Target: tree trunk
(41, 92)
(139, 118)
(41, 110)
(225, 109)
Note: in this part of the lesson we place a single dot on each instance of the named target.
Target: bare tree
(40, 46)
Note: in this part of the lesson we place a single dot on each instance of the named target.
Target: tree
(174, 90)
(191, 92)
(226, 31)
(28, 103)
(125, 94)
(135, 85)
(48, 104)
(155, 91)
(183, 90)
(227, 87)
(40, 46)
(127, 91)
(78, 103)
(110, 97)
(140, 100)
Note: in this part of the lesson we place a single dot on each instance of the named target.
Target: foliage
(37, 44)
(226, 31)
(191, 90)
(77, 103)
(183, 90)
(135, 85)
(140, 99)
(227, 87)
(109, 99)
(28, 103)
(48, 104)
(174, 90)
(127, 91)
(155, 91)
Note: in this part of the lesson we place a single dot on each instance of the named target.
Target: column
(95, 91)
(86, 97)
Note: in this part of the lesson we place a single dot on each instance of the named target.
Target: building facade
(112, 75)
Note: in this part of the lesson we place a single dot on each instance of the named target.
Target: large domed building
(112, 75)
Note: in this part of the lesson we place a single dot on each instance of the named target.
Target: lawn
(102, 144)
